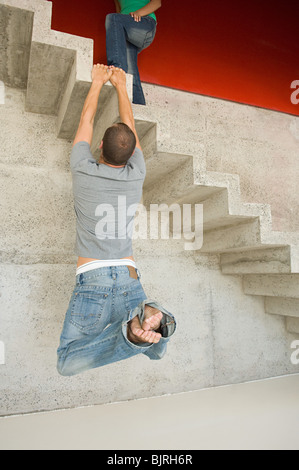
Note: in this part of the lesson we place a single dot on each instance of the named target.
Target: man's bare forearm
(125, 107)
(100, 75)
(91, 102)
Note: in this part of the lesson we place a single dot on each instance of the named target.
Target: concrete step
(15, 45)
(159, 163)
(182, 186)
(281, 292)
(223, 209)
(272, 285)
(288, 307)
(179, 182)
(249, 236)
(292, 325)
(246, 236)
(263, 261)
(217, 212)
(285, 307)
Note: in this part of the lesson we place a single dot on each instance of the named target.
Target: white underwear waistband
(104, 264)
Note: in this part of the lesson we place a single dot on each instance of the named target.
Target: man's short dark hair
(119, 143)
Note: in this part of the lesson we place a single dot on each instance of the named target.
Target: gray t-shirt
(105, 200)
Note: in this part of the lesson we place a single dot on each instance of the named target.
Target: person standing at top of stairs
(109, 318)
(128, 32)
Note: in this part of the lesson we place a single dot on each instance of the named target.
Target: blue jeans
(94, 334)
(125, 39)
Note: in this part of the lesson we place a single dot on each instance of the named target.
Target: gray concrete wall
(223, 335)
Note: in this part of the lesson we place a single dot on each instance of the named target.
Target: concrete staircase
(55, 67)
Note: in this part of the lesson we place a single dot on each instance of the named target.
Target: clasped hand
(103, 73)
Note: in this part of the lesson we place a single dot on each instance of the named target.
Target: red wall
(241, 50)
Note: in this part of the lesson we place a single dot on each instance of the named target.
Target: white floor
(257, 415)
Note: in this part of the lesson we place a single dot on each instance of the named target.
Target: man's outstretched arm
(118, 80)
(101, 74)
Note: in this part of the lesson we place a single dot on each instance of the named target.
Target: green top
(129, 6)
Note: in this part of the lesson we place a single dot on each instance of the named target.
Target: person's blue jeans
(125, 39)
(94, 334)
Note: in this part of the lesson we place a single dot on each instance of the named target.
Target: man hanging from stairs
(109, 318)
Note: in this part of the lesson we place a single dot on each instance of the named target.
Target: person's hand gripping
(118, 77)
(101, 73)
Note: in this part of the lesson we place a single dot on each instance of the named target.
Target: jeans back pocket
(87, 309)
